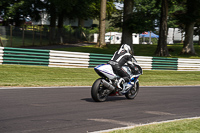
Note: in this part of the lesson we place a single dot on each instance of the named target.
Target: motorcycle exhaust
(107, 85)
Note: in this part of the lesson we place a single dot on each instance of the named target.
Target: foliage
(18, 9)
(143, 18)
(173, 9)
(113, 29)
(187, 19)
(140, 22)
(68, 28)
(186, 12)
(81, 9)
(110, 8)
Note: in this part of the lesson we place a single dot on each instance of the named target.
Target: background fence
(11, 36)
(66, 59)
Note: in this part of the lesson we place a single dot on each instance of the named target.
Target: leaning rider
(121, 57)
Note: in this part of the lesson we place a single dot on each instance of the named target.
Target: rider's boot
(120, 83)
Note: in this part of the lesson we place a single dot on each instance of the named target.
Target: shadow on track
(109, 99)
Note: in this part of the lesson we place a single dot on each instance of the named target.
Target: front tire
(132, 93)
(98, 91)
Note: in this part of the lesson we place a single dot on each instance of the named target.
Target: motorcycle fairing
(106, 70)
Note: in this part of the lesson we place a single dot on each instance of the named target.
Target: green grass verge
(139, 50)
(179, 126)
(21, 75)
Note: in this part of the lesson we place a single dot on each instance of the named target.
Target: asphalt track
(71, 109)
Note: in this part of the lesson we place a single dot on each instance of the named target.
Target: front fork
(133, 82)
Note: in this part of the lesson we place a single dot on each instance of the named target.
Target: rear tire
(98, 91)
(132, 93)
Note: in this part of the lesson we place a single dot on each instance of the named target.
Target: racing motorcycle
(107, 84)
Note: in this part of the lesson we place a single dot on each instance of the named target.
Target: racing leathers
(120, 58)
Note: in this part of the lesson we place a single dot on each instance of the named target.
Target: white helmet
(126, 47)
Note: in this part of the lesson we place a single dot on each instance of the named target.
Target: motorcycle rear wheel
(132, 93)
(98, 91)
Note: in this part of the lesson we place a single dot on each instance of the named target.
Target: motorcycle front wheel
(98, 91)
(132, 93)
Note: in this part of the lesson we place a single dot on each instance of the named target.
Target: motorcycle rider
(121, 57)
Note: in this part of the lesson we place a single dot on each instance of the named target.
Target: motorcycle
(107, 84)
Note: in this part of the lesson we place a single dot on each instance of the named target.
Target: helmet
(126, 47)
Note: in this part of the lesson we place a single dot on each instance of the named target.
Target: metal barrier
(160, 63)
(24, 56)
(1, 55)
(66, 59)
(188, 64)
(96, 59)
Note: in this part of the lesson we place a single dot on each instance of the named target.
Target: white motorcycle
(107, 84)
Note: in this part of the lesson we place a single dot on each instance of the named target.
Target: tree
(106, 9)
(53, 16)
(144, 16)
(71, 9)
(172, 21)
(188, 47)
(102, 26)
(192, 15)
(141, 18)
(162, 49)
(187, 18)
(58, 11)
(4, 4)
(126, 33)
(19, 9)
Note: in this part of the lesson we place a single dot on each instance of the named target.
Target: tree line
(136, 16)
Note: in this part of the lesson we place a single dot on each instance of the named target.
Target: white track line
(130, 127)
(113, 121)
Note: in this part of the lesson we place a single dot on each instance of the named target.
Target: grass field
(139, 50)
(21, 75)
(179, 126)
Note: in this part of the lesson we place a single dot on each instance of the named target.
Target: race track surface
(71, 109)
